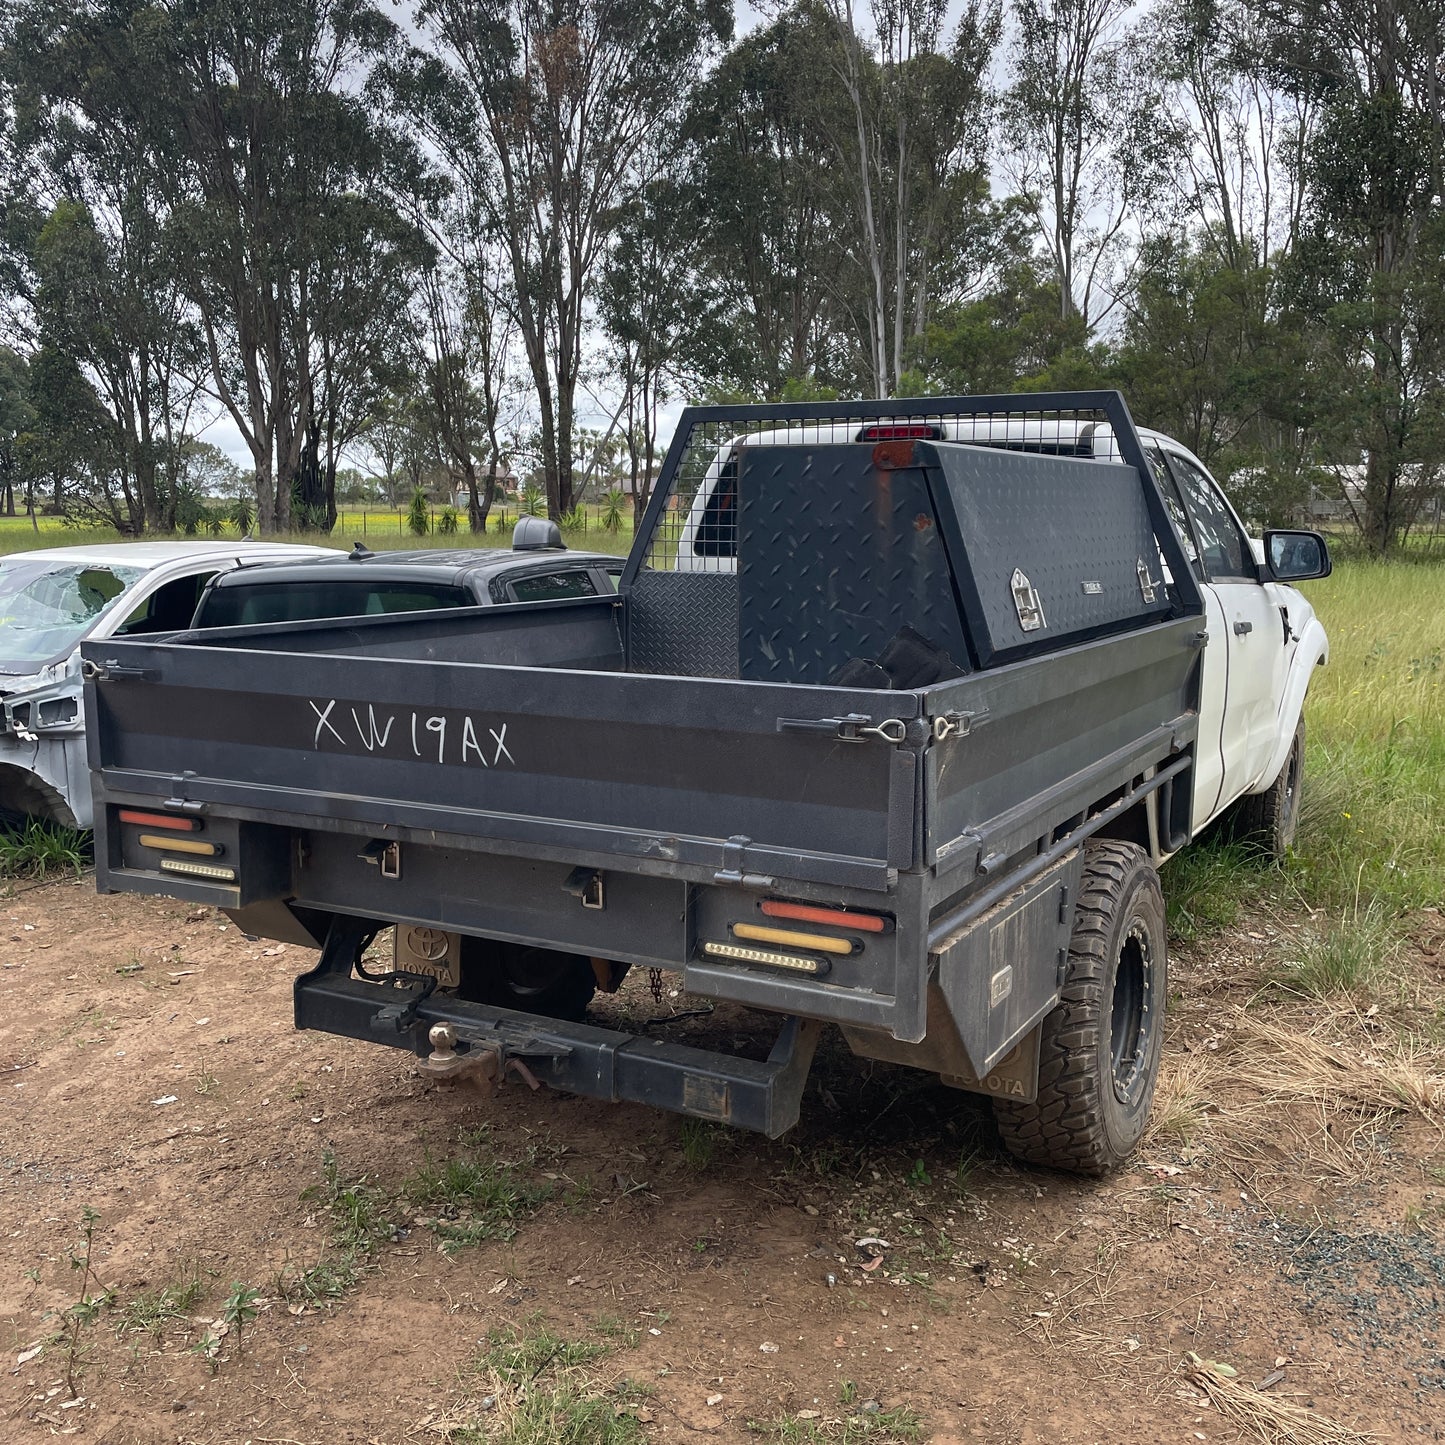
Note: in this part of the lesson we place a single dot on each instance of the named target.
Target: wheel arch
(25, 794)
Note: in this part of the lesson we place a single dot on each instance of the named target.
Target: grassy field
(1371, 845)
(380, 530)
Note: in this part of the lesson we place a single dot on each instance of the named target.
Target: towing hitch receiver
(486, 1064)
(454, 1038)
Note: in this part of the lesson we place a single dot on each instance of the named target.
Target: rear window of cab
(255, 603)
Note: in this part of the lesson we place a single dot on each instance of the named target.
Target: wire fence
(447, 521)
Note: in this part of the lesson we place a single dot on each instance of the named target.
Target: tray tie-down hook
(486, 1063)
(853, 727)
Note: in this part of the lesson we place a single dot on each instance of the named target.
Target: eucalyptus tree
(358, 337)
(103, 287)
(540, 109)
(1235, 138)
(662, 319)
(277, 128)
(1371, 257)
(465, 362)
(1073, 112)
(759, 123)
(17, 424)
(916, 107)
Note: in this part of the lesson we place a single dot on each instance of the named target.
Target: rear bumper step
(577, 1058)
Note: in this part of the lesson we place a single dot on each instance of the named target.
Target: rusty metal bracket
(486, 1063)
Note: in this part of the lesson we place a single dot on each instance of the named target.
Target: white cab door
(1245, 676)
(1208, 779)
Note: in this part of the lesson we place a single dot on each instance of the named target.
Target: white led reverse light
(199, 870)
(742, 954)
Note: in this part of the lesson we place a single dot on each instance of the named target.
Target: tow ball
(486, 1064)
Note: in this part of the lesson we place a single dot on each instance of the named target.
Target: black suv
(361, 583)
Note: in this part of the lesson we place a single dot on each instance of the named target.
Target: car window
(1225, 549)
(613, 576)
(168, 609)
(1174, 506)
(278, 600)
(551, 586)
(45, 608)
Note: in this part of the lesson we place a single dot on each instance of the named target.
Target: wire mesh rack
(692, 520)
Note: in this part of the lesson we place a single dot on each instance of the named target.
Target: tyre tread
(1064, 1128)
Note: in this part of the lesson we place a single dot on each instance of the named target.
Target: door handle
(1240, 628)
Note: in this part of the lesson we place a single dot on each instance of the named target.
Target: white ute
(1264, 638)
(50, 602)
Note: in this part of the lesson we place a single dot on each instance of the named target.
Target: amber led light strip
(815, 942)
(181, 845)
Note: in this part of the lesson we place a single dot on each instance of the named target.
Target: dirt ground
(1284, 1222)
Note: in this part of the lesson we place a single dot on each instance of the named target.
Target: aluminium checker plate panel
(835, 555)
(1076, 531)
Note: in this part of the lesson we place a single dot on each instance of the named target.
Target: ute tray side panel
(1049, 735)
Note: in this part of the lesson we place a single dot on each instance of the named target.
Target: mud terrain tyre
(1268, 821)
(1099, 1049)
(530, 980)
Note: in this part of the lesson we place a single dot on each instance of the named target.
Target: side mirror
(1296, 556)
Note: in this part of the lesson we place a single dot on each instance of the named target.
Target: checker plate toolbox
(874, 673)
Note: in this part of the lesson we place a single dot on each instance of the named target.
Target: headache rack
(784, 541)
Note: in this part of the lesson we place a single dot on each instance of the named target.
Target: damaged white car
(50, 601)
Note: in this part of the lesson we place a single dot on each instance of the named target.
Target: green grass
(896, 1426)
(473, 1199)
(323, 1283)
(358, 1213)
(360, 1224)
(698, 1140)
(524, 1354)
(1371, 842)
(1372, 824)
(613, 1327)
(381, 529)
(1208, 884)
(541, 1392)
(39, 849)
(1350, 954)
(1370, 850)
(150, 1311)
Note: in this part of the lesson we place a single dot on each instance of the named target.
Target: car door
(1246, 625)
(1208, 750)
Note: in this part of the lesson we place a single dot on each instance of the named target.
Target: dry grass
(1387, 1077)
(1322, 1094)
(1184, 1098)
(1266, 1417)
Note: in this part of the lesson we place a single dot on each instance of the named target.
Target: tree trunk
(265, 493)
(478, 522)
(476, 518)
